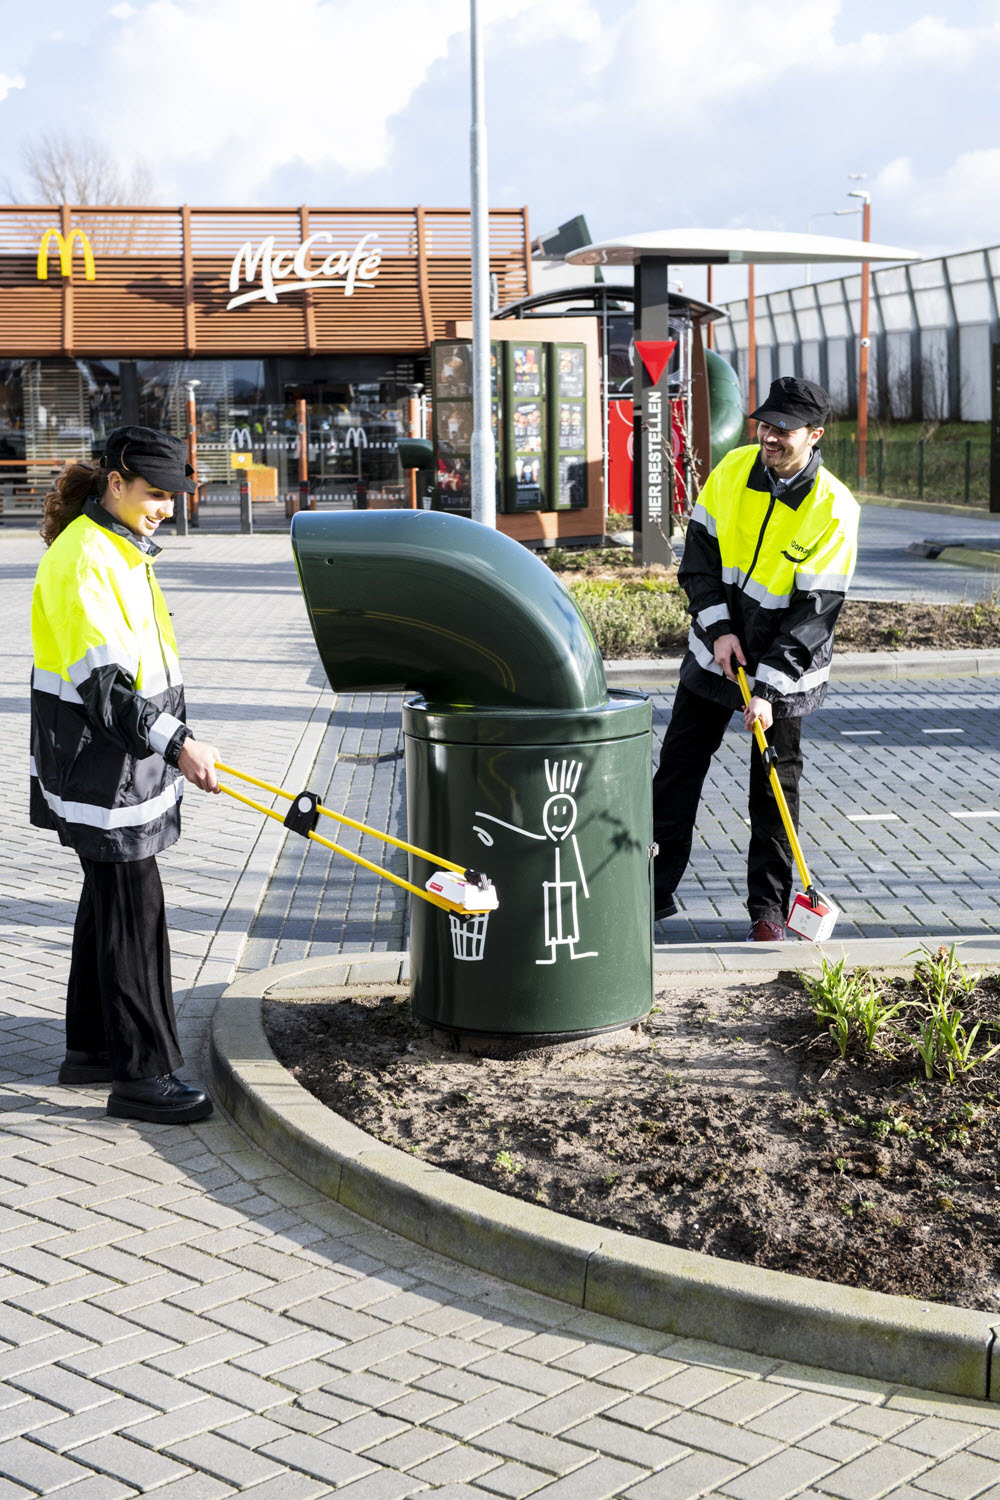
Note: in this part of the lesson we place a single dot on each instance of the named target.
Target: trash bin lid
(625, 713)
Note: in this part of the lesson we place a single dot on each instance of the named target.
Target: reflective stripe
(705, 659)
(154, 679)
(756, 591)
(58, 687)
(712, 616)
(705, 518)
(788, 685)
(96, 657)
(829, 583)
(162, 731)
(92, 816)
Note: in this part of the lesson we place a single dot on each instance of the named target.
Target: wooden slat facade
(162, 281)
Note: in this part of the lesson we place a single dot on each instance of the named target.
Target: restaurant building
(107, 315)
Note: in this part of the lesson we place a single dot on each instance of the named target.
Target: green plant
(506, 1161)
(849, 1005)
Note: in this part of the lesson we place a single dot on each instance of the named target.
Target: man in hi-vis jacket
(768, 558)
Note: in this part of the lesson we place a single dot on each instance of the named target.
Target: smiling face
(559, 816)
(786, 450)
(136, 503)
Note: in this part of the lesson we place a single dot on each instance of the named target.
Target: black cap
(792, 402)
(155, 456)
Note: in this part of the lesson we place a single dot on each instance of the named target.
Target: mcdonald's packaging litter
(471, 891)
(815, 923)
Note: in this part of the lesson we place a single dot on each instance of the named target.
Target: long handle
(379, 870)
(779, 795)
(327, 812)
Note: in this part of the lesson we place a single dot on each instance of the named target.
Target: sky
(640, 114)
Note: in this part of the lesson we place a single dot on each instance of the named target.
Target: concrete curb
(970, 557)
(848, 666)
(685, 1293)
(935, 507)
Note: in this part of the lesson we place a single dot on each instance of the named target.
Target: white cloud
(8, 83)
(123, 11)
(953, 206)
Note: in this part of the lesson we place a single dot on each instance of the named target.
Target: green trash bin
(519, 762)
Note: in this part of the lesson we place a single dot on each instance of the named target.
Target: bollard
(246, 504)
(181, 515)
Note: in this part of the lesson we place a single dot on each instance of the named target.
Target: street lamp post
(866, 227)
(484, 481)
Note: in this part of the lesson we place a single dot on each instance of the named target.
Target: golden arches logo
(65, 244)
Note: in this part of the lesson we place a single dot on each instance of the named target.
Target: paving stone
(841, 1443)
(743, 1401)
(961, 1476)
(321, 1459)
(229, 1461)
(129, 1462)
(778, 1477)
(641, 1411)
(100, 1421)
(183, 1422)
(936, 1437)
(476, 1416)
(874, 1474)
(533, 1448)
(691, 1386)
(27, 1464)
(698, 1474)
(717, 1437)
(571, 1406)
(512, 1480)
(600, 1479)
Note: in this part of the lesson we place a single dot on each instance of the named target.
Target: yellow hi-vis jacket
(771, 565)
(107, 700)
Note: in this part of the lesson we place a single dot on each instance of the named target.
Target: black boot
(162, 1101)
(85, 1067)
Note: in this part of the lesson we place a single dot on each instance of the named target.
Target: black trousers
(693, 736)
(119, 997)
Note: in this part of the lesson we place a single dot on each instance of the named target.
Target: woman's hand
(196, 764)
(758, 711)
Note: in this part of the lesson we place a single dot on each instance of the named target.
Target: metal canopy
(721, 247)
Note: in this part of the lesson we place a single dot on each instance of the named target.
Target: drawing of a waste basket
(468, 936)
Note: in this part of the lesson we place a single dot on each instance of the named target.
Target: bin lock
(452, 887)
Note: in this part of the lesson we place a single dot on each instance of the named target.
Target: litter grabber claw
(811, 915)
(455, 889)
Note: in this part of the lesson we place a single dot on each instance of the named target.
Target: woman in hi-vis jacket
(110, 753)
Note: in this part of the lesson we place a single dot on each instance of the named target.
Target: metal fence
(953, 470)
(932, 325)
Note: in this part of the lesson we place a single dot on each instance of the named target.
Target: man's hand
(758, 711)
(196, 764)
(724, 649)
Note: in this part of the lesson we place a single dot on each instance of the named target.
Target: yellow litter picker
(456, 890)
(811, 914)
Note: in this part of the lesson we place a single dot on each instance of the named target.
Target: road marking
(857, 734)
(873, 817)
(974, 812)
(942, 731)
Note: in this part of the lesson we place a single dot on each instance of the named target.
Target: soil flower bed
(643, 612)
(755, 1122)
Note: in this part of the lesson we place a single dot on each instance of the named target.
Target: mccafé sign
(65, 245)
(278, 272)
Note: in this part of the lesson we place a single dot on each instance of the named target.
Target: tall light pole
(866, 234)
(484, 480)
(827, 213)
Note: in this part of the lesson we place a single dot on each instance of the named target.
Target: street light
(866, 234)
(828, 213)
(484, 479)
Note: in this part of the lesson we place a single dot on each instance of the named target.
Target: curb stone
(681, 1292)
(848, 666)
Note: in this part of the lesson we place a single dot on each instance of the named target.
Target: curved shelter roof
(720, 247)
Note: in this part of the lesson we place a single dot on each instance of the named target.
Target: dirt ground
(724, 1123)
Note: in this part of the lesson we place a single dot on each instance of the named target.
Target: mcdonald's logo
(65, 244)
(356, 437)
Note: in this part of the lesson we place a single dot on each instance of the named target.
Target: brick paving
(179, 1315)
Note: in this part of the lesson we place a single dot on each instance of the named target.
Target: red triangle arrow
(655, 355)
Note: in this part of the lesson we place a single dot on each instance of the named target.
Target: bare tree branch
(63, 168)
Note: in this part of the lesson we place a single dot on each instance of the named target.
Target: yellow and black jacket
(772, 569)
(107, 701)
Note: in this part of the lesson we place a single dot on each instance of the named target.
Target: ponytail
(79, 479)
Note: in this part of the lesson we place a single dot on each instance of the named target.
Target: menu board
(453, 417)
(524, 459)
(567, 444)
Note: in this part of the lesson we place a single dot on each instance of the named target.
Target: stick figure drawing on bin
(562, 926)
(559, 895)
